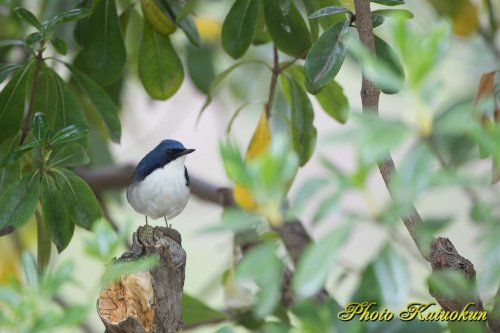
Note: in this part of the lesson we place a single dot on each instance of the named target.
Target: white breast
(161, 193)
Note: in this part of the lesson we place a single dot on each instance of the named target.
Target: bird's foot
(166, 223)
(146, 219)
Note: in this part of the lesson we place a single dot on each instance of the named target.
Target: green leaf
(317, 260)
(220, 78)
(398, 13)
(39, 127)
(59, 45)
(12, 100)
(16, 154)
(330, 10)
(55, 99)
(69, 134)
(377, 20)
(391, 60)
(160, 68)
(81, 204)
(10, 174)
(194, 311)
(379, 71)
(7, 69)
(117, 269)
(125, 18)
(103, 54)
(70, 155)
(392, 276)
(324, 21)
(261, 265)
(27, 17)
(261, 35)
(287, 27)
(187, 9)
(302, 116)
(101, 101)
(71, 15)
(325, 58)
(33, 38)
(56, 219)
(334, 102)
(172, 8)
(239, 27)
(200, 66)
(389, 2)
(18, 203)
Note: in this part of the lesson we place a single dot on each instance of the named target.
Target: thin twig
(443, 254)
(272, 84)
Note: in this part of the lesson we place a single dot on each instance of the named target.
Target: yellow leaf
(465, 21)
(209, 29)
(159, 21)
(258, 145)
(260, 138)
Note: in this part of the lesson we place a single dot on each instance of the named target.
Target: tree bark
(147, 302)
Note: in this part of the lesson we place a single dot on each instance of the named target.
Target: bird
(160, 184)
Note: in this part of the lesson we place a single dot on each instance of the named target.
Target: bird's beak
(186, 151)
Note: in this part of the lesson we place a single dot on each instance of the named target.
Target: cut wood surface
(147, 302)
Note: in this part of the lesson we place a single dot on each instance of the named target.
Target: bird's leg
(166, 223)
(146, 219)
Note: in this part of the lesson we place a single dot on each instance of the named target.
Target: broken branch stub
(147, 302)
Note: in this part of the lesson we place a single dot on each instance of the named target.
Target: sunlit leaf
(160, 68)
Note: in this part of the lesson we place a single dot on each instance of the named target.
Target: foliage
(60, 102)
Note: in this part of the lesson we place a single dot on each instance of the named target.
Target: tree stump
(147, 302)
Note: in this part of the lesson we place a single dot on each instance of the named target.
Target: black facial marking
(186, 176)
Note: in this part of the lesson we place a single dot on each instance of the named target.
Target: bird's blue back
(156, 158)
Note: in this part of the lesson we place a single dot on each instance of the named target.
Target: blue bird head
(167, 151)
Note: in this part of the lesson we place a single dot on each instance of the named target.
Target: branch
(443, 254)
